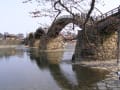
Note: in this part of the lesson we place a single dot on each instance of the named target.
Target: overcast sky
(14, 17)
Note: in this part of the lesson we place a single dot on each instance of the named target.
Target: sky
(15, 18)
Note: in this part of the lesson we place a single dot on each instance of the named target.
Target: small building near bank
(10, 37)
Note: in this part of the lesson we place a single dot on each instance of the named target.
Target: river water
(32, 69)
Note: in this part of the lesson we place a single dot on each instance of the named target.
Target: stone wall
(46, 43)
(36, 43)
(108, 50)
(55, 43)
(96, 46)
(10, 42)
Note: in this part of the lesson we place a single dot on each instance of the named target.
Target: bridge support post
(102, 47)
(83, 50)
(77, 56)
(118, 45)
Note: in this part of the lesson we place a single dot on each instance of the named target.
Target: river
(32, 69)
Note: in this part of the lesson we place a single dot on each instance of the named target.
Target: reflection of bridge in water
(8, 52)
(72, 77)
(65, 75)
(98, 41)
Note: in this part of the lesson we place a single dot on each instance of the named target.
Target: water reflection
(39, 57)
(88, 78)
(8, 52)
(82, 78)
(45, 58)
(50, 68)
(66, 75)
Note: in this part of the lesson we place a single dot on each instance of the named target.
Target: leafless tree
(55, 8)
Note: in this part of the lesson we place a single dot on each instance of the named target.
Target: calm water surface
(30, 69)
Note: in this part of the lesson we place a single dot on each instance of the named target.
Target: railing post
(112, 12)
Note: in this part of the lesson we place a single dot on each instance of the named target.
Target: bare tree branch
(61, 4)
(86, 20)
(89, 13)
(59, 11)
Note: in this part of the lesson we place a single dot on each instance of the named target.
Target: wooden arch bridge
(98, 41)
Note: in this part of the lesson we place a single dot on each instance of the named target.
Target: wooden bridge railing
(107, 14)
(98, 18)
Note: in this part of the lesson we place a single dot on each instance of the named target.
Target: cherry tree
(55, 8)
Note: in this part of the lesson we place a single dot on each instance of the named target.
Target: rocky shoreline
(109, 65)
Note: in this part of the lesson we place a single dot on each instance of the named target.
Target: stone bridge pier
(97, 44)
(47, 43)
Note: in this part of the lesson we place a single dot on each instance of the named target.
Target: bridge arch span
(102, 36)
(61, 22)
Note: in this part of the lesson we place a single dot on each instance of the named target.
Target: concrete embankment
(9, 43)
